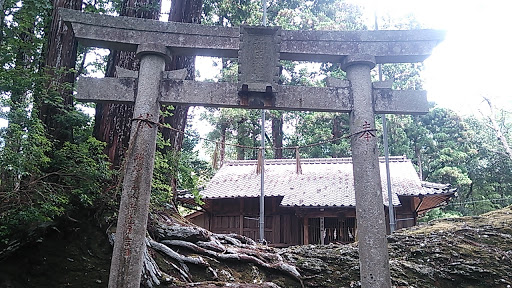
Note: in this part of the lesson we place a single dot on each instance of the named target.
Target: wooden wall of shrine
(287, 226)
(240, 215)
(284, 226)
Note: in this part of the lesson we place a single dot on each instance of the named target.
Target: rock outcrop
(458, 252)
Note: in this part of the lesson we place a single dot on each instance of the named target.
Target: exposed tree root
(231, 285)
(176, 256)
(186, 233)
(151, 272)
(172, 235)
(254, 256)
(469, 250)
(235, 239)
(169, 233)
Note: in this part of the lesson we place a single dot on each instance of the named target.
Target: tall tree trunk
(277, 134)
(240, 136)
(2, 17)
(186, 11)
(337, 132)
(113, 121)
(223, 128)
(17, 117)
(60, 59)
(417, 152)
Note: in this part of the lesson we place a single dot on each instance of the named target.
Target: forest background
(56, 160)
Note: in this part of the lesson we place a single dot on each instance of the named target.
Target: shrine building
(311, 205)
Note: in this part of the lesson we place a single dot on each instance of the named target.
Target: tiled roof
(430, 188)
(324, 182)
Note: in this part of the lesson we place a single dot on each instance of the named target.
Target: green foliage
(165, 167)
(84, 168)
(185, 166)
(231, 13)
(405, 76)
(241, 127)
(491, 186)
(450, 154)
(299, 73)
(41, 179)
(479, 203)
(229, 71)
(315, 127)
(74, 177)
(439, 213)
(316, 15)
(97, 6)
(461, 151)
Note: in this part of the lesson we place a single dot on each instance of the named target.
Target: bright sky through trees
(471, 62)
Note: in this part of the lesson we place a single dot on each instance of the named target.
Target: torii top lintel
(126, 33)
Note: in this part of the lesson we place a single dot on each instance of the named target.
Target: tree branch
(496, 128)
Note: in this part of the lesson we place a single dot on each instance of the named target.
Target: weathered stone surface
(387, 101)
(358, 60)
(214, 94)
(179, 74)
(312, 264)
(125, 33)
(224, 95)
(126, 73)
(210, 94)
(387, 84)
(152, 48)
(387, 46)
(129, 246)
(258, 59)
(460, 252)
(109, 89)
(371, 226)
(335, 82)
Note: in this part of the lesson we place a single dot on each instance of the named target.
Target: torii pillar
(129, 244)
(371, 225)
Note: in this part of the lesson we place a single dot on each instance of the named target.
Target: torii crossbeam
(258, 50)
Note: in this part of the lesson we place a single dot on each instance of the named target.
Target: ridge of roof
(438, 186)
(345, 160)
(324, 182)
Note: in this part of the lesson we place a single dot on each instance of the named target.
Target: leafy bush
(45, 188)
(439, 213)
(189, 171)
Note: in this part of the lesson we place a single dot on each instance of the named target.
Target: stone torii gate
(258, 50)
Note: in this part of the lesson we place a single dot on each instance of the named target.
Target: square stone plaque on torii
(258, 50)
